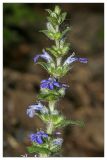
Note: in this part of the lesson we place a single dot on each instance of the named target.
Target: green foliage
(60, 121)
(35, 148)
(56, 17)
(53, 32)
(55, 71)
(65, 122)
(59, 51)
(65, 31)
(18, 16)
(59, 71)
(45, 148)
(50, 95)
(54, 148)
(52, 35)
(55, 119)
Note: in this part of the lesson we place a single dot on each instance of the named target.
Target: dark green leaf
(50, 27)
(65, 31)
(44, 65)
(49, 11)
(57, 10)
(48, 34)
(63, 16)
(53, 20)
(70, 122)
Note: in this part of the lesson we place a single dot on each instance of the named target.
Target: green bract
(50, 95)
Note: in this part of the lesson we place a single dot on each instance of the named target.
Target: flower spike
(48, 143)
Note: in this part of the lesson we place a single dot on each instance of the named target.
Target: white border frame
(1, 77)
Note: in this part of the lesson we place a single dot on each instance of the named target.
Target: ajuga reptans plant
(47, 142)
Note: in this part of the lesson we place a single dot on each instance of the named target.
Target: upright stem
(52, 105)
(57, 42)
(58, 61)
(50, 126)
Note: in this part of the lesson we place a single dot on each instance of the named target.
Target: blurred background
(84, 99)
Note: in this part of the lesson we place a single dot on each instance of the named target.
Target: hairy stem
(58, 61)
(50, 126)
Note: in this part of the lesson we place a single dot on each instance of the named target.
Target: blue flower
(35, 108)
(45, 56)
(51, 83)
(58, 141)
(38, 137)
(72, 59)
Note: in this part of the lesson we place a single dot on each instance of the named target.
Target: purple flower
(72, 59)
(65, 86)
(51, 83)
(45, 56)
(35, 108)
(38, 137)
(58, 133)
(83, 60)
(58, 141)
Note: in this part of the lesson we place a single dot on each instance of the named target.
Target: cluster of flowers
(68, 61)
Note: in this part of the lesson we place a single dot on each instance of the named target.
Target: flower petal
(45, 135)
(65, 85)
(58, 133)
(46, 56)
(50, 85)
(32, 137)
(38, 106)
(30, 113)
(36, 58)
(83, 60)
(70, 60)
(39, 139)
(43, 81)
(44, 85)
(57, 84)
